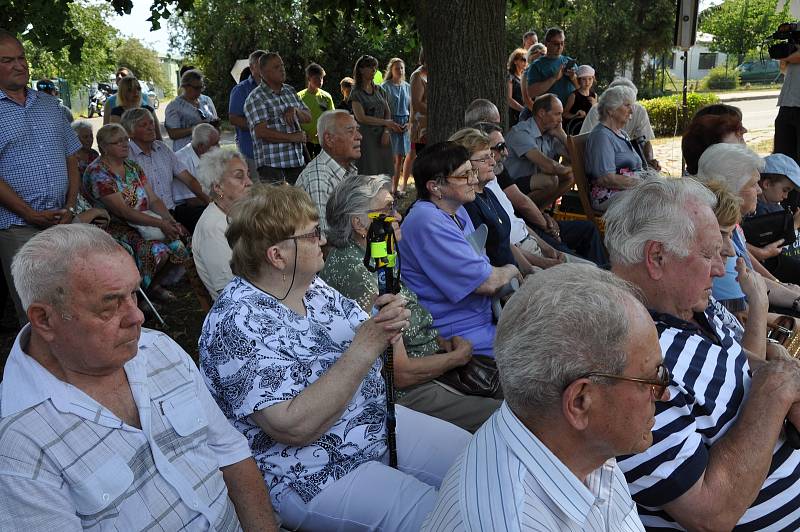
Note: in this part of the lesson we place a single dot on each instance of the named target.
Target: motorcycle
(97, 99)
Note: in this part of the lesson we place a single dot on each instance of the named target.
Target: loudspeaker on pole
(686, 23)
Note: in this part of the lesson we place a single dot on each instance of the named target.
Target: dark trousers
(787, 132)
(270, 174)
(787, 142)
(188, 215)
(578, 237)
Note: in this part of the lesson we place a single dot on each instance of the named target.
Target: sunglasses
(500, 146)
(658, 386)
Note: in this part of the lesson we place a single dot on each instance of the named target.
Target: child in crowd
(581, 100)
(780, 176)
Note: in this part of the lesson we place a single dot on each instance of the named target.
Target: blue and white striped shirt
(710, 383)
(35, 141)
(509, 480)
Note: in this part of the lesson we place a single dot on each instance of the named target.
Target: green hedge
(665, 111)
(720, 79)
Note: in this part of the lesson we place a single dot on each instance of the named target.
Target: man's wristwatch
(73, 211)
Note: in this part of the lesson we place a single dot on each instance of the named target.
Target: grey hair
(655, 210)
(624, 82)
(351, 198)
(563, 323)
(733, 165)
(201, 134)
(480, 110)
(131, 117)
(108, 134)
(41, 267)
(191, 75)
(327, 123)
(212, 167)
(78, 125)
(613, 98)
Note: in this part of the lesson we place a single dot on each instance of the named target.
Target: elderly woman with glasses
(189, 109)
(611, 161)
(224, 175)
(452, 277)
(129, 96)
(296, 367)
(427, 355)
(139, 219)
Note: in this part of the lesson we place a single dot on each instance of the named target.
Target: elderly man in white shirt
(581, 369)
(188, 206)
(104, 425)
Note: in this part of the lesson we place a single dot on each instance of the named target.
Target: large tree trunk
(464, 42)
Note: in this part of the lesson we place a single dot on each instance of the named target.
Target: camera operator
(787, 123)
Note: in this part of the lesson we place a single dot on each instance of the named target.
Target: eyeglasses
(657, 386)
(471, 174)
(500, 146)
(203, 114)
(315, 234)
(482, 160)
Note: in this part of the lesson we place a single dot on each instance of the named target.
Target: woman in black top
(516, 66)
(581, 100)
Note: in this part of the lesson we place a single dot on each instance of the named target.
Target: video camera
(789, 32)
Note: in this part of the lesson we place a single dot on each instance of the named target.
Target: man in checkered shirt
(274, 114)
(38, 170)
(104, 425)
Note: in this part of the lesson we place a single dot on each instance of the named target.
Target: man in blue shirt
(550, 72)
(236, 111)
(38, 170)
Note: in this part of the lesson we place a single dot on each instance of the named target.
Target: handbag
(782, 331)
(768, 228)
(478, 377)
(149, 232)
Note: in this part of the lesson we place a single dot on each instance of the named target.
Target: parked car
(760, 71)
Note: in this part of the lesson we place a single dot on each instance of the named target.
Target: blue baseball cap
(781, 164)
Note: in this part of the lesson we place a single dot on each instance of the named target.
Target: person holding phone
(553, 72)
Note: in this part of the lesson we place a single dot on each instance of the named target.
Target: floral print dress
(150, 255)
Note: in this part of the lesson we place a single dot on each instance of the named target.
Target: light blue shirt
(508, 480)
(35, 141)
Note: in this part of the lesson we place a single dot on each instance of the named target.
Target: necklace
(489, 204)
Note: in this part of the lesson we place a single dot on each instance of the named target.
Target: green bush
(665, 112)
(719, 79)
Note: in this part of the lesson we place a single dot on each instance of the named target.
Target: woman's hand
(389, 322)
(394, 127)
(172, 229)
(385, 137)
(771, 250)
(753, 286)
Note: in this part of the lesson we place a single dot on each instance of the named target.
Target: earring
(284, 277)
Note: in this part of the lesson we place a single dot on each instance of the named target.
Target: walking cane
(381, 250)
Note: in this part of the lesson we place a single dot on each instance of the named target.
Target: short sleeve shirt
(160, 166)
(441, 267)
(239, 94)
(182, 114)
(637, 128)
(523, 137)
(547, 67)
(710, 383)
(317, 104)
(69, 463)
(266, 105)
(35, 141)
(608, 153)
(256, 353)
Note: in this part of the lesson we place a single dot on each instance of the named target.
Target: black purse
(768, 228)
(478, 377)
